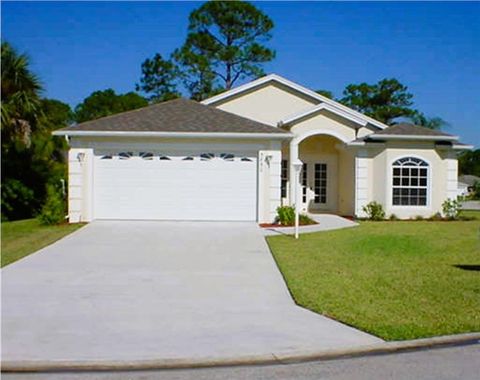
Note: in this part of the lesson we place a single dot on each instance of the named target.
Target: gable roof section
(411, 132)
(174, 116)
(293, 119)
(468, 179)
(406, 131)
(295, 87)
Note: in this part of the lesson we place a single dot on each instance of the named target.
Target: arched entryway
(327, 177)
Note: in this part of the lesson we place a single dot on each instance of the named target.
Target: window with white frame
(410, 182)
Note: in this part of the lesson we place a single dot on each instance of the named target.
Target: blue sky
(433, 48)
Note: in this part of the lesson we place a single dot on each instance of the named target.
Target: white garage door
(149, 185)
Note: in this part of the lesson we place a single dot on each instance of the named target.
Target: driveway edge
(274, 358)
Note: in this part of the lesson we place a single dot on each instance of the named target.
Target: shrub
(476, 190)
(53, 211)
(374, 211)
(305, 220)
(17, 200)
(419, 217)
(393, 217)
(451, 208)
(436, 217)
(286, 217)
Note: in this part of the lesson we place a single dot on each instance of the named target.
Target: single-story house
(231, 158)
(463, 190)
(466, 184)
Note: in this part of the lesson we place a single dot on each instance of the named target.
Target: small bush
(374, 211)
(476, 190)
(17, 200)
(436, 217)
(286, 217)
(393, 217)
(451, 208)
(419, 217)
(53, 211)
(305, 220)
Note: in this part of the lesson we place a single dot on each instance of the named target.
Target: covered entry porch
(326, 180)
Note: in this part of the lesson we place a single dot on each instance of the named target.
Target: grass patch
(396, 280)
(475, 214)
(23, 237)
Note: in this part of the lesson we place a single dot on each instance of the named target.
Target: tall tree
(469, 162)
(159, 79)
(230, 36)
(385, 101)
(436, 123)
(326, 93)
(20, 96)
(107, 102)
(225, 43)
(20, 109)
(195, 73)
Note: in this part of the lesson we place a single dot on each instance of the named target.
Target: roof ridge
(130, 111)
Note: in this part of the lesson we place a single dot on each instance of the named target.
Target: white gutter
(412, 137)
(228, 135)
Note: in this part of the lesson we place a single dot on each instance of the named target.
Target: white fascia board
(462, 147)
(295, 86)
(366, 144)
(323, 106)
(227, 135)
(412, 137)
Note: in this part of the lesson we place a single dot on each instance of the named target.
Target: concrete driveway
(151, 290)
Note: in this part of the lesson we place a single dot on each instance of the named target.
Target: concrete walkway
(158, 290)
(326, 222)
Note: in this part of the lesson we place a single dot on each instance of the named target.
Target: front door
(317, 192)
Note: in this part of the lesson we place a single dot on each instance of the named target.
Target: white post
(297, 217)
(293, 157)
(297, 165)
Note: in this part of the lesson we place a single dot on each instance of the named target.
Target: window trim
(428, 204)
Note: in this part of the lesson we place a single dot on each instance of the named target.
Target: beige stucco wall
(442, 176)
(268, 104)
(346, 182)
(327, 123)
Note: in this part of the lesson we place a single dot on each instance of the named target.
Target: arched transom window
(410, 182)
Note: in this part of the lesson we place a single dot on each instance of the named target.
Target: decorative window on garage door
(410, 182)
(125, 155)
(146, 155)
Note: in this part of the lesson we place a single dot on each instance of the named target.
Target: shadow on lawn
(468, 267)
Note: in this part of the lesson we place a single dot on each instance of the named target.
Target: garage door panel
(175, 189)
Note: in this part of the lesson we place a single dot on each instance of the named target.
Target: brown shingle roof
(179, 115)
(410, 130)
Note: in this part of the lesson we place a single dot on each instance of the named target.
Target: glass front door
(320, 184)
(314, 186)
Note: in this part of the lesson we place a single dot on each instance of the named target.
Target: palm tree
(20, 96)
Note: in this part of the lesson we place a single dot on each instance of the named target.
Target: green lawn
(23, 237)
(396, 280)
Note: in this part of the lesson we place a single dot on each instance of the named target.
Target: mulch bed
(276, 225)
